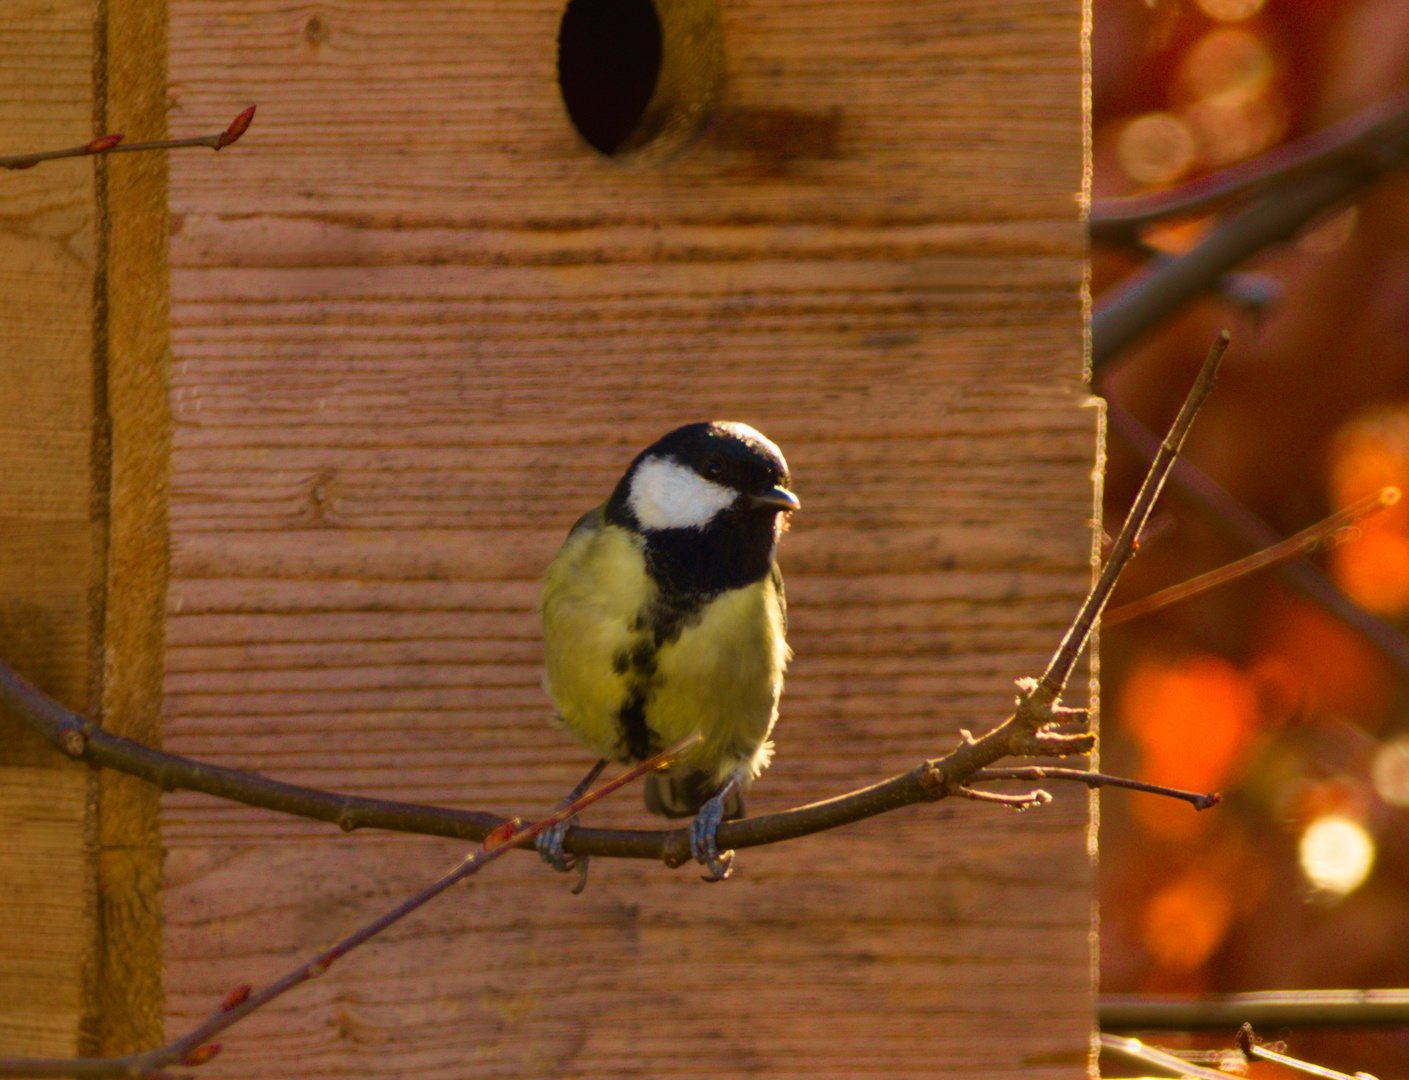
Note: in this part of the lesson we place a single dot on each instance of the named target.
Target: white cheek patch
(668, 495)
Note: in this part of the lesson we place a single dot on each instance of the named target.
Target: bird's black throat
(734, 549)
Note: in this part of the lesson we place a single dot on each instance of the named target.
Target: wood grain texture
(134, 344)
(50, 535)
(418, 327)
(46, 895)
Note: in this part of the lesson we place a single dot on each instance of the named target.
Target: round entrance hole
(639, 75)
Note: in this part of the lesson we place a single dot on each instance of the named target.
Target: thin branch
(1025, 801)
(1363, 135)
(113, 144)
(196, 1048)
(1253, 1052)
(1025, 733)
(928, 782)
(1256, 533)
(1161, 1059)
(1059, 669)
(1135, 307)
(1303, 543)
(1271, 1008)
(1095, 780)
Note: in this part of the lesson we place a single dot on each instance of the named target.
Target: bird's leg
(702, 843)
(550, 841)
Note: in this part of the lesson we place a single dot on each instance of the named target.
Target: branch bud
(238, 127)
(201, 1054)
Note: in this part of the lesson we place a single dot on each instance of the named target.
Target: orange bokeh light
(1186, 920)
(1328, 668)
(1193, 719)
(1373, 570)
(1156, 148)
(1366, 459)
(1372, 567)
(1227, 62)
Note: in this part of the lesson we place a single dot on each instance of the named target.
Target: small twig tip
(1245, 1041)
(238, 127)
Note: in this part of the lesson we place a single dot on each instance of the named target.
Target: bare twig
(1059, 669)
(1253, 1052)
(1255, 532)
(1161, 1059)
(196, 1048)
(1017, 802)
(1272, 1008)
(113, 144)
(1303, 543)
(1095, 780)
(1364, 135)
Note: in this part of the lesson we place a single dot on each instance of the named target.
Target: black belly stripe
(657, 625)
(637, 740)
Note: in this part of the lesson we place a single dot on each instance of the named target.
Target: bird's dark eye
(714, 468)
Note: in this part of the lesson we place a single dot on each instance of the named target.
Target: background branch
(1135, 307)
(1243, 523)
(1303, 543)
(113, 144)
(1362, 136)
(1272, 1008)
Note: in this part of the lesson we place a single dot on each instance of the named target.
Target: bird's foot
(703, 845)
(550, 841)
(550, 849)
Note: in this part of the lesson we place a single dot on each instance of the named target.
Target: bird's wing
(593, 519)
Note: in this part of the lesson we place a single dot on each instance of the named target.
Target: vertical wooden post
(83, 455)
(133, 351)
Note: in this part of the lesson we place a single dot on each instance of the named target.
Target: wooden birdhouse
(291, 432)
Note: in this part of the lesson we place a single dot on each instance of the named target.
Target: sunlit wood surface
(49, 568)
(418, 327)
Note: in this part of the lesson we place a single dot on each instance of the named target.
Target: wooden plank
(46, 893)
(50, 544)
(417, 328)
(134, 336)
(83, 459)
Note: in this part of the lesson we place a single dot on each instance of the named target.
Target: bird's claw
(550, 849)
(703, 845)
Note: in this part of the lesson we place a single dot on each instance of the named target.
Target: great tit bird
(664, 615)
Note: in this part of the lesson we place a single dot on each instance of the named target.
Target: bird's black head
(708, 500)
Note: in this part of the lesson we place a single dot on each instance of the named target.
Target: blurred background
(1301, 879)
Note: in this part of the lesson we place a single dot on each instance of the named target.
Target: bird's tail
(678, 795)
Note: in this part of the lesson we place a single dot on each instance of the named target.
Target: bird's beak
(776, 498)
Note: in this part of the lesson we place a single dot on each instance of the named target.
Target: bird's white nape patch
(666, 494)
